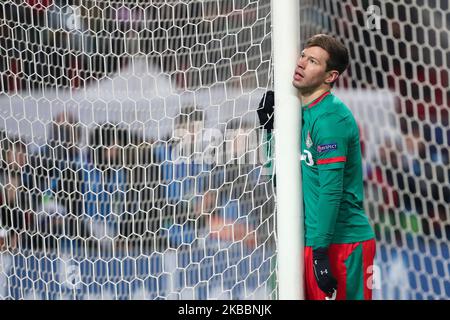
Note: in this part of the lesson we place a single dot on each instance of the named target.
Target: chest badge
(308, 142)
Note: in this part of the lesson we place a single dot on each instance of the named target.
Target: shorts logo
(327, 147)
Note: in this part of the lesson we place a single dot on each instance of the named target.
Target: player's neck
(307, 97)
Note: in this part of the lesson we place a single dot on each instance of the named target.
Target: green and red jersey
(332, 177)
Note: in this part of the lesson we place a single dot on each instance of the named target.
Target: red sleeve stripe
(331, 160)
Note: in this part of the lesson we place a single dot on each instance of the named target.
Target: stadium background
(95, 96)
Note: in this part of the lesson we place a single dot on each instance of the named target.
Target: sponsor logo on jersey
(308, 142)
(327, 147)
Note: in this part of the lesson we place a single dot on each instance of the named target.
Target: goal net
(398, 89)
(132, 161)
(132, 158)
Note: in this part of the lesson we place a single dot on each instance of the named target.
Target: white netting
(131, 155)
(398, 88)
(95, 96)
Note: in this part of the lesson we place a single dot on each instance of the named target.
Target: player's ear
(332, 77)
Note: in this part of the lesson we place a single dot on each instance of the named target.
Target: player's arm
(331, 190)
(331, 143)
(266, 117)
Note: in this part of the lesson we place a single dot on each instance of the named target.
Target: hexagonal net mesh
(131, 153)
(398, 88)
(109, 108)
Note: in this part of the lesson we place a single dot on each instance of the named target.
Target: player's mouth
(298, 76)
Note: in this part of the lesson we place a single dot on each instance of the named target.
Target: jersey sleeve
(331, 141)
(331, 189)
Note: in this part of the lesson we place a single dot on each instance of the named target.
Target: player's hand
(322, 271)
(265, 110)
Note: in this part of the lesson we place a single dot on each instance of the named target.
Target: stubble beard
(305, 89)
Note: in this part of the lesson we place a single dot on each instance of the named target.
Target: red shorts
(351, 264)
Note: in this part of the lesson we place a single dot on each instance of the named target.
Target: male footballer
(339, 241)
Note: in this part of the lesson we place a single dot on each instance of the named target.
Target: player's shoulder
(335, 106)
(334, 110)
(334, 116)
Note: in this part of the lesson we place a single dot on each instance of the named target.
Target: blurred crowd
(119, 194)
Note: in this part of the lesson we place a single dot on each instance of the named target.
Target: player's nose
(301, 63)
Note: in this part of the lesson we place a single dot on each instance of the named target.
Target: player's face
(310, 72)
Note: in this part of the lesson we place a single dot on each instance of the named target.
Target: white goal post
(286, 48)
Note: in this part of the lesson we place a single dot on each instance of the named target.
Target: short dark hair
(339, 59)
